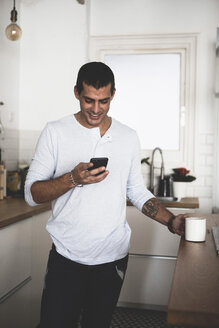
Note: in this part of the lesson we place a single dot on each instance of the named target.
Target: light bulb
(13, 32)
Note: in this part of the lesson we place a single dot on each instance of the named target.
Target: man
(88, 226)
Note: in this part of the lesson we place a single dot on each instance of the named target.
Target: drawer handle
(14, 290)
(158, 257)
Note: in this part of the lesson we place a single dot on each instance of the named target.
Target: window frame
(186, 46)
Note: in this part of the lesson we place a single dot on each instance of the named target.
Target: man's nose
(96, 107)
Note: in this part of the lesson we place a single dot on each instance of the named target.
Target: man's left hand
(178, 224)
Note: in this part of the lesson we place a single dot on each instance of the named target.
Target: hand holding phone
(98, 162)
(81, 173)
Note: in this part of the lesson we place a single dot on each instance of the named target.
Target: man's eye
(88, 101)
(104, 101)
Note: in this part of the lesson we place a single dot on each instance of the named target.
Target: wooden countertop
(194, 298)
(187, 202)
(16, 209)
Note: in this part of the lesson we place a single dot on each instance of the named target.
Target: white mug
(195, 229)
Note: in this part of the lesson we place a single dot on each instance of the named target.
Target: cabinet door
(15, 274)
(148, 282)
(15, 310)
(153, 254)
(41, 245)
(24, 249)
(150, 237)
(15, 255)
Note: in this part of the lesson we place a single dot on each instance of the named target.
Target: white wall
(38, 72)
(53, 47)
(129, 17)
(9, 88)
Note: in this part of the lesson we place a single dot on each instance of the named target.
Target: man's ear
(76, 92)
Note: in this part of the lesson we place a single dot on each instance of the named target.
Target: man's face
(94, 104)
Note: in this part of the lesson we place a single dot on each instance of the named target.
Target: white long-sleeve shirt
(88, 225)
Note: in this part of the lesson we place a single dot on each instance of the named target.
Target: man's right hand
(81, 175)
(44, 191)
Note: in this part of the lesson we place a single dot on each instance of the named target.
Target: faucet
(151, 188)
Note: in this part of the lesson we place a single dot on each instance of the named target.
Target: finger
(180, 230)
(89, 173)
(97, 170)
(179, 224)
(96, 179)
(84, 166)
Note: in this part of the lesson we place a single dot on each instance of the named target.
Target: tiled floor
(136, 318)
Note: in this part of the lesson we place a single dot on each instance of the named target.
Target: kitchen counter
(16, 209)
(187, 202)
(194, 298)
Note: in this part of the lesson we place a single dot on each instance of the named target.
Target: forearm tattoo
(151, 207)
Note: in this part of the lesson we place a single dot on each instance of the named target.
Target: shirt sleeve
(43, 163)
(137, 192)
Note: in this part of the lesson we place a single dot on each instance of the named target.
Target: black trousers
(73, 291)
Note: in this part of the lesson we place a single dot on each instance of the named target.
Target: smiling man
(88, 226)
(94, 104)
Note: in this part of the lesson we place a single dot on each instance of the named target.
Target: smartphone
(98, 162)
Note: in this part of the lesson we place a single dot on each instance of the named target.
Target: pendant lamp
(13, 31)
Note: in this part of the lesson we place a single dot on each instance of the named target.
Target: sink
(167, 199)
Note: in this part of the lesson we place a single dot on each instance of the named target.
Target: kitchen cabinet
(24, 248)
(41, 245)
(147, 283)
(15, 309)
(15, 255)
(152, 260)
(15, 274)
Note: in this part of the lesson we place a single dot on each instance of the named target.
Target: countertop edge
(21, 211)
(186, 202)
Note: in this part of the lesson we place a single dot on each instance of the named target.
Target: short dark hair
(96, 74)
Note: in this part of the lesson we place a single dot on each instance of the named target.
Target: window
(155, 81)
(148, 97)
